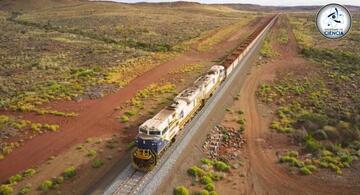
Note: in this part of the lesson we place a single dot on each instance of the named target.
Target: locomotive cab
(154, 135)
(148, 144)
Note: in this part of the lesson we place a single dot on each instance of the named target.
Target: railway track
(131, 182)
(126, 182)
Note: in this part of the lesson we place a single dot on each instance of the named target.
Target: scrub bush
(181, 190)
(70, 172)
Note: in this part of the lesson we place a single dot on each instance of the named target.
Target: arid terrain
(253, 145)
(78, 78)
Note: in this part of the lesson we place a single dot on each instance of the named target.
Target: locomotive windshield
(154, 133)
(143, 130)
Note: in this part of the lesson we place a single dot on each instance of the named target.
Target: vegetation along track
(131, 181)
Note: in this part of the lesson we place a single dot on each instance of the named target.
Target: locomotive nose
(143, 159)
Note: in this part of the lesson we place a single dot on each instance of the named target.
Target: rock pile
(235, 139)
(213, 141)
(223, 137)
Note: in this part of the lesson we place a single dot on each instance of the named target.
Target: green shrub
(312, 168)
(297, 163)
(207, 161)
(69, 172)
(210, 187)
(284, 159)
(292, 160)
(26, 189)
(294, 154)
(241, 121)
(330, 159)
(6, 189)
(124, 119)
(58, 180)
(97, 163)
(305, 171)
(312, 145)
(91, 153)
(51, 127)
(36, 126)
(46, 185)
(16, 178)
(326, 153)
(282, 126)
(335, 168)
(181, 190)
(213, 193)
(345, 157)
(206, 180)
(196, 171)
(241, 129)
(4, 119)
(203, 192)
(29, 172)
(221, 166)
(130, 113)
(214, 176)
(316, 118)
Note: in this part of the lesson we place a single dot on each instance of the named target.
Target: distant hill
(23, 5)
(250, 7)
(254, 7)
(11, 5)
(174, 4)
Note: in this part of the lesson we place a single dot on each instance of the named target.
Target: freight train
(157, 133)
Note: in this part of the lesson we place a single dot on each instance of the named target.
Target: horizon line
(233, 3)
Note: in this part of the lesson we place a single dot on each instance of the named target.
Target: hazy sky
(263, 2)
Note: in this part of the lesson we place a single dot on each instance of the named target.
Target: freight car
(157, 133)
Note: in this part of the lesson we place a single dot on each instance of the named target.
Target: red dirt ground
(97, 117)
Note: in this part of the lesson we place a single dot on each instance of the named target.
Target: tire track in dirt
(265, 176)
(97, 117)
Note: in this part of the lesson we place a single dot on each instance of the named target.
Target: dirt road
(97, 117)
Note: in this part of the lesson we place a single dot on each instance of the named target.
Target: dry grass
(58, 53)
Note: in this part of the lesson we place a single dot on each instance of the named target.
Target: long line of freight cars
(236, 56)
(156, 134)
